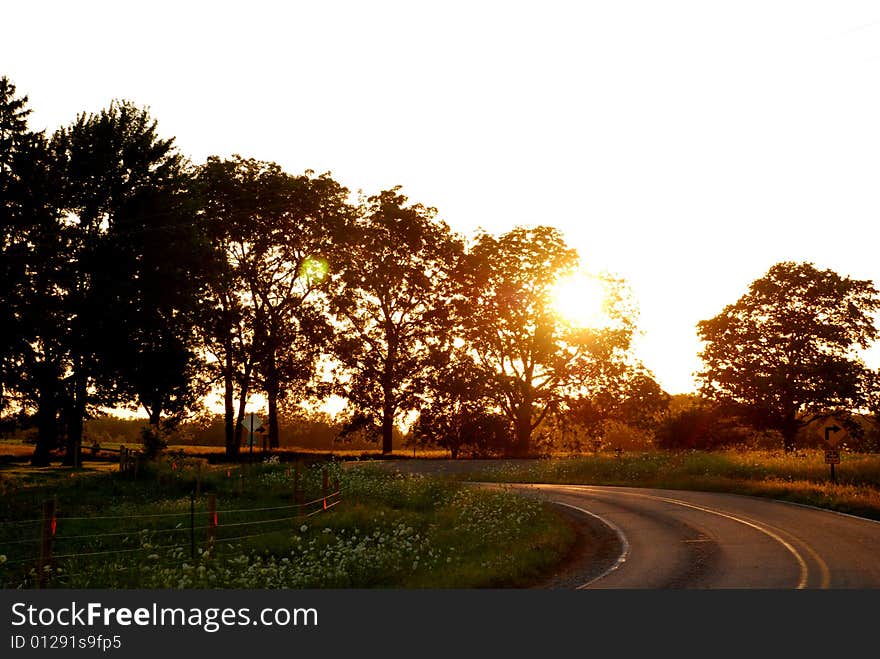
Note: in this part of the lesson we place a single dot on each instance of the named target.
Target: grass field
(802, 478)
(385, 531)
(388, 530)
(13, 450)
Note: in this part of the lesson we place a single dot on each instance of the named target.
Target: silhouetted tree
(272, 236)
(292, 255)
(33, 270)
(458, 412)
(392, 302)
(121, 186)
(228, 322)
(150, 270)
(631, 397)
(17, 216)
(537, 360)
(788, 347)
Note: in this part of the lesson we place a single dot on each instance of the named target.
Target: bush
(701, 428)
(153, 441)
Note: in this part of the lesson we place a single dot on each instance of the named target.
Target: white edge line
(755, 525)
(620, 536)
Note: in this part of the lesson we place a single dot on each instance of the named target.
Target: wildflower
(2, 558)
(303, 528)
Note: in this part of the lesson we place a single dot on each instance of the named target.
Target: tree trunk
(75, 417)
(75, 412)
(239, 419)
(388, 403)
(523, 431)
(242, 404)
(272, 399)
(789, 435)
(229, 408)
(47, 426)
(790, 427)
(387, 429)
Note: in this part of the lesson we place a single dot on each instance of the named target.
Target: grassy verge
(387, 531)
(801, 478)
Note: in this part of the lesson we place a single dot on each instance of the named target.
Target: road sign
(252, 422)
(832, 456)
(832, 431)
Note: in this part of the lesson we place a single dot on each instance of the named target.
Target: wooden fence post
(198, 478)
(212, 521)
(47, 536)
(324, 486)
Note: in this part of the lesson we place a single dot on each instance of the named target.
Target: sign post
(252, 424)
(833, 435)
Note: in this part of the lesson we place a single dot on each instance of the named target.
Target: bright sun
(579, 300)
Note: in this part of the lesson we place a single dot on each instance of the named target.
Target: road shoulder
(595, 549)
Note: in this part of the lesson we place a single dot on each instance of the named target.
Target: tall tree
(536, 358)
(151, 273)
(273, 236)
(32, 271)
(788, 347)
(392, 301)
(228, 322)
(119, 182)
(17, 145)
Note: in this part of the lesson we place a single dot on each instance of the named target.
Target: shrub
(154, 442)
(700, 428)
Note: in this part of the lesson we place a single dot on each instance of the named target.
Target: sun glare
(579, 300)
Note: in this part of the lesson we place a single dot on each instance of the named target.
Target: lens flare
(314, 269)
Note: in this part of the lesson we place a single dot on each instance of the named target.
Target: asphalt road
(662, 539)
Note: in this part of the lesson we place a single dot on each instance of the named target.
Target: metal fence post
(212, 521)
(192, 525)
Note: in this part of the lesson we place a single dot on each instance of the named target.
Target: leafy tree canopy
(537, 360)
(789, 347)
(393, 302)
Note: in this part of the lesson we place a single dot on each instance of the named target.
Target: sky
(683, 146)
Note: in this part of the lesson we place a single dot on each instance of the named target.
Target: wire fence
(76, 540)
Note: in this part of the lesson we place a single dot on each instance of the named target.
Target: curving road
(663, 539)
